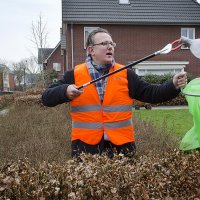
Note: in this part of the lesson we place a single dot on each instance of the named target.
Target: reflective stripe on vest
(120, 124)
(98, 125)
(118, 108)
(87, 108)
(87, 125)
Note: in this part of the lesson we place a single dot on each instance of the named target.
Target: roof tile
(138, 11)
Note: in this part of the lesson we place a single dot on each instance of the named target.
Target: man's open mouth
(109, 54)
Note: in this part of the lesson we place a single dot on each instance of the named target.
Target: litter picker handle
(118, 70)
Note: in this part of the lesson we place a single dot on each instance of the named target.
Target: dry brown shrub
(35, 132)
(29, 100)
(35, 162)
(174, 175)
(34, 91)
(31, 96)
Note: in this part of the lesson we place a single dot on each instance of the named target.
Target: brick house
(138, 27)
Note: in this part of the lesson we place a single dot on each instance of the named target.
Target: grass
(40, 133)
(179, 120)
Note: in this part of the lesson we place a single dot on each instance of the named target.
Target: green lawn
(178, 121)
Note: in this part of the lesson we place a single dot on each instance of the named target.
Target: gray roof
(4, 68)
(59, 43)
(137, 12)
(43, 53)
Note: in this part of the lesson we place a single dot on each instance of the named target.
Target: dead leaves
(175, 175)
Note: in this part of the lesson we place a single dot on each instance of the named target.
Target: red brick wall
(11, 81)
(135, 42)
(1, 81)
(56, 57)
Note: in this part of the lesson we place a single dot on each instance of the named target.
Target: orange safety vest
(91, 118)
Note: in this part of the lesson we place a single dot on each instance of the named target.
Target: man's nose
(110, 46)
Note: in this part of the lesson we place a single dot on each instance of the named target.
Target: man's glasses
(106, 43)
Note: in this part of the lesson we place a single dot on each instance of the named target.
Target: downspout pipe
(72, 45)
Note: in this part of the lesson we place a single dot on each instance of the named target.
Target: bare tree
(31, 66)
(19, 69)
(39, 35)
(3, 61)
(32, 70)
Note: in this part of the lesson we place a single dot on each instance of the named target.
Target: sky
(16, 17)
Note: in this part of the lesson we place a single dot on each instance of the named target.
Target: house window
(57, 67)
(124, 2)
(6, 87)
(189, 33)
(87, 31)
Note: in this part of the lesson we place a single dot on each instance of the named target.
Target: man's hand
(180, 80)
(72, 92)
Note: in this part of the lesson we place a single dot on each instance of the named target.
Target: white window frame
(57, 67)
(124, 1)
(187, 35)
(89, 30)
(160, 67)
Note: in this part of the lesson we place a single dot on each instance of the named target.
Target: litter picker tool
(194, 46)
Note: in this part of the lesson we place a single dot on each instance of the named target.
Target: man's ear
(90, 50)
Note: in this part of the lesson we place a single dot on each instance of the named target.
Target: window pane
(86, 35)
(188, 32)
(191, 33)
(184, 32)
(87, 31)
(57, 67)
